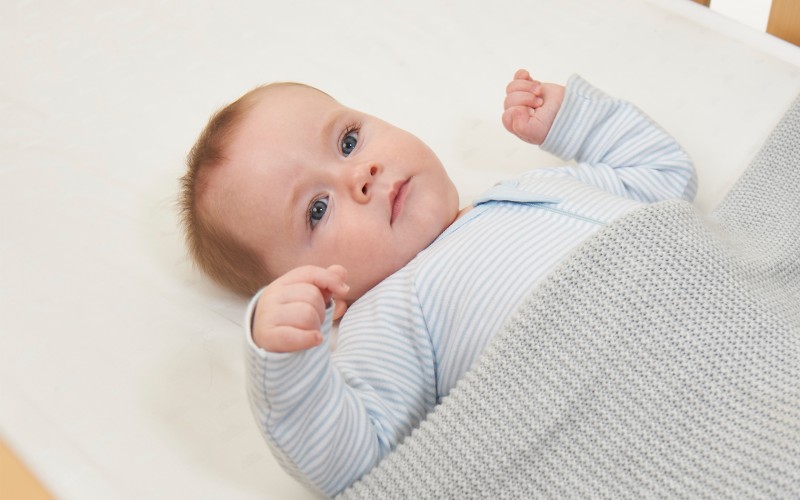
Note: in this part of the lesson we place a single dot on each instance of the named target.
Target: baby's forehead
(282, 120)
(286, 104)
(278, 88)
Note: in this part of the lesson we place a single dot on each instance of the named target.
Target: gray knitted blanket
(661, 359)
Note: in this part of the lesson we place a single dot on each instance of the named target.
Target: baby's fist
(291, 310)
(530, 107)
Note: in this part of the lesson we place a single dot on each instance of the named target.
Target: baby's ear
(339, 308)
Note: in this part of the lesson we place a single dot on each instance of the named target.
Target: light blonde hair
(213, 248)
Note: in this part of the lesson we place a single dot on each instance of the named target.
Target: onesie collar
(509, 191)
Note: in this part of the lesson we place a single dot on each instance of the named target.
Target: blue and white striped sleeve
(330, 417)
(618, 148)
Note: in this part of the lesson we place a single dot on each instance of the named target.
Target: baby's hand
(531, 107)
(291, 310)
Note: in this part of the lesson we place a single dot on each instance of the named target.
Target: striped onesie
(330, 413)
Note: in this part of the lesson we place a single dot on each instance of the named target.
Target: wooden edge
(784, 20)
(16, 481)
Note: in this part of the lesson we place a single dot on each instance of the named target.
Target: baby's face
(309, 181)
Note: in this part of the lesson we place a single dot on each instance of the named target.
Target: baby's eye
(317, 211)
(349, 142)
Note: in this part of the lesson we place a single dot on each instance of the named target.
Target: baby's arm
(618, 148)
(329, 417)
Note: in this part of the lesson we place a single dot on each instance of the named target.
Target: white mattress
(120, 366)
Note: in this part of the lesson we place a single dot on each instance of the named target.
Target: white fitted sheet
(120, 366)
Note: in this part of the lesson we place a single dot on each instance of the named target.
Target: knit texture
(662, 358)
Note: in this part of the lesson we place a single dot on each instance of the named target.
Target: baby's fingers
(522, 74)
(329, 279)
(276, 322)
(520, 121)
(288, 339)
(531, 86)
(525, 99)
(298, 293)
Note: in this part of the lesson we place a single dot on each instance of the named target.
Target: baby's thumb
(340, 304)
(341, 273)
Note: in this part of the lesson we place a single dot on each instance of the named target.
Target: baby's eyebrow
(332, 121)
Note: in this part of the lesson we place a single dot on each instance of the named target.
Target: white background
(120, 366)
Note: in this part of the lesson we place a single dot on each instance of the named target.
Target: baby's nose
(363, 180)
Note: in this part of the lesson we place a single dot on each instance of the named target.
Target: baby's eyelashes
(349, 139)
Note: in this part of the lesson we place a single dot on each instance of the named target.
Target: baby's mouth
(397, 198)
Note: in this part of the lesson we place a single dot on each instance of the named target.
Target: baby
(335, 210)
